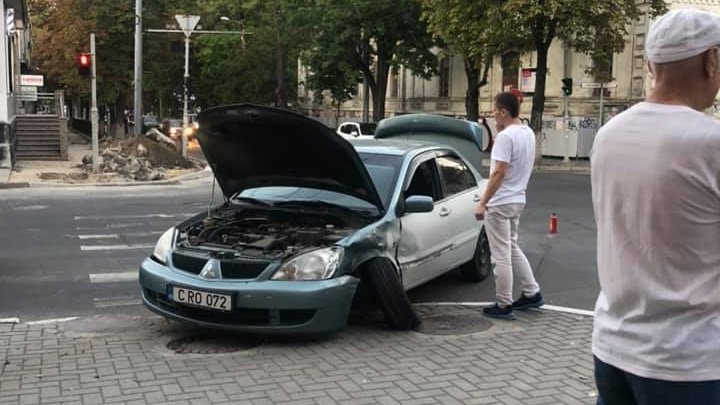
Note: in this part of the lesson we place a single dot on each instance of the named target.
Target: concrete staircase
(40, 137)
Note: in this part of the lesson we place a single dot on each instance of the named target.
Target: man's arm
(496, 179)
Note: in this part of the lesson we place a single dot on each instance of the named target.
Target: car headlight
(164, 245)
(315, 265)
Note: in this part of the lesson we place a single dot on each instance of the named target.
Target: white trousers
(501, 226)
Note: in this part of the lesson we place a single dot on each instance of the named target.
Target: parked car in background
(357, 130)
(313, 224)
(172, 127)
(149, 122)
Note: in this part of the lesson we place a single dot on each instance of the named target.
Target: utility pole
(137, 98)
(187, 25)
(94, 109)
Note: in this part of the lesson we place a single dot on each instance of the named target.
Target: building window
(510, 63)
(639, 62)
(393, 84)
(444, 77)
(640, 42)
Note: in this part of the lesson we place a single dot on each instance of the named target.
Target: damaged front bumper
(258, 306)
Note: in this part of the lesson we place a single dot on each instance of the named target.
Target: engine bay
(260, 233)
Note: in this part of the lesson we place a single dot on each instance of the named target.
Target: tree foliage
(596, 27)
(223, 68)
(372, 36)
(462, 25)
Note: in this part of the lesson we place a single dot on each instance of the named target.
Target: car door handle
(444, 212)
(476, 197)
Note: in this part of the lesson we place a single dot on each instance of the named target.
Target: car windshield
(383, 170)
(368, 128)
(314, 198)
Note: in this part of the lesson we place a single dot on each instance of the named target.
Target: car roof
(392, 147)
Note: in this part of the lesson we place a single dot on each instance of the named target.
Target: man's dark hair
(509, 102)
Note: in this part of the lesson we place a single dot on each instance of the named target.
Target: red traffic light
(84, 64)
(84, 59)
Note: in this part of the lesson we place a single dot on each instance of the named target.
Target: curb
(18, 184)
(174, 181)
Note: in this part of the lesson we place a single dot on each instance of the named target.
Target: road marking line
(115, 302)
(9, 320)
(113, 277)
(30, 208)
(117, 236)
(108, 236)
(133, 216)
(115, 247)
(484, 304)
(56, 320)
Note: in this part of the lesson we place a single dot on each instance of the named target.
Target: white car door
(425, 239)
(460, 195)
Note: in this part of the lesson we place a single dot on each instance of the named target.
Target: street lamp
(187, 25)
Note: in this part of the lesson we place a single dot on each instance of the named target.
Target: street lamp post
(187, 26)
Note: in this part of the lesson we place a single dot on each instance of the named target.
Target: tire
(479, 268)
(390, 295)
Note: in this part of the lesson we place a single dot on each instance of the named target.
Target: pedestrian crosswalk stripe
(117, 236)
(108, 236)
(113, 277)
(115, 247)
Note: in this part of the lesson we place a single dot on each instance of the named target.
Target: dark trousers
(617, 387)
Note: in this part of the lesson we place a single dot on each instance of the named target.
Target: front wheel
(390, 294)
(478, 269)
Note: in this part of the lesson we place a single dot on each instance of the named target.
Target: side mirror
(354, 133)
(418, 204)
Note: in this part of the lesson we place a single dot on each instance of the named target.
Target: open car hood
(251, 146)
(464, 136)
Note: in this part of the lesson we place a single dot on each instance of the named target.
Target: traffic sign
(31, 80)
(187, 23)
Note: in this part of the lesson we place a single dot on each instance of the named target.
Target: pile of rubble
(138, 159)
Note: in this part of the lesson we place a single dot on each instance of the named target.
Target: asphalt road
(73, 251)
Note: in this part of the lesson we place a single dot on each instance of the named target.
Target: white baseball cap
(681, 34)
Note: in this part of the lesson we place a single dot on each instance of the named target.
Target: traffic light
(567, 86)
(84, 64)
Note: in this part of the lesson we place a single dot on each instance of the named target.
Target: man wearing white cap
(656, 196)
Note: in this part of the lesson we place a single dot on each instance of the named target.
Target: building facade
(14, 55)
(445, 94)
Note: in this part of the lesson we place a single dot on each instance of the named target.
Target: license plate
(202, 298)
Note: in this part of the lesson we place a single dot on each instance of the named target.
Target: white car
(357, 130)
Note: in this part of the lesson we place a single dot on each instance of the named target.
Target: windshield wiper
(251, 200)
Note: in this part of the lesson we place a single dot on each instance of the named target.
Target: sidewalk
(38, 172)
(543, 357)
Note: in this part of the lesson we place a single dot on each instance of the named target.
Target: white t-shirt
(656, 196)
(514, 145)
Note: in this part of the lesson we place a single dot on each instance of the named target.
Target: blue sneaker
(498, 312)
(536, 301)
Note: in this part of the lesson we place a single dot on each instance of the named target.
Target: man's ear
(710, 62)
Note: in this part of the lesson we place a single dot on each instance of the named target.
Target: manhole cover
(210, 344)
(454, 324)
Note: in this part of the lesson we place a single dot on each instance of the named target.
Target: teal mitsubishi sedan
(313, 225)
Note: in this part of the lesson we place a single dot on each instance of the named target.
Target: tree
(596, 27)
(463, 27)
(372, 36)
(237, 67)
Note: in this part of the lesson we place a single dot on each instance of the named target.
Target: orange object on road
(553, 224)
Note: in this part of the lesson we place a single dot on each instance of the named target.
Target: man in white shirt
(512, 158)
(656, 196)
